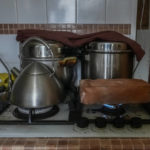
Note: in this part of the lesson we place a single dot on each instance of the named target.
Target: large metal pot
(107, 60)
(35, 49)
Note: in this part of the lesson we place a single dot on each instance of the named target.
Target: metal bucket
(107, 60)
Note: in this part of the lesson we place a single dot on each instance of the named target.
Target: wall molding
(75, 28)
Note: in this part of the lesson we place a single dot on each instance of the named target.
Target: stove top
(35, 114)
(90, 112)
(11, 113)
(128, 111)
(110, 110)
(72, 130)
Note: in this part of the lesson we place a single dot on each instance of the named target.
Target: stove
(72, 119)
(83, 115)
(14, 113)
(62, 125)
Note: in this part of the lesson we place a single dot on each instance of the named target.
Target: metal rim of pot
(41, 59)
(107, 46)
(55, 47)
(109, 51)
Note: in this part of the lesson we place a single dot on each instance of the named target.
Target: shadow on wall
(9, 52)
(142, 71)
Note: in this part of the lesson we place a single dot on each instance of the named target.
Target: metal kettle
(36, 87)
(49, 53)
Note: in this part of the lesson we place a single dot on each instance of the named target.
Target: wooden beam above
(145, 22)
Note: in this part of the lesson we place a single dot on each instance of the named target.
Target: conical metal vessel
(36, 87)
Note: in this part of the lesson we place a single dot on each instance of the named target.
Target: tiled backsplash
(76, 28)
(68, 11)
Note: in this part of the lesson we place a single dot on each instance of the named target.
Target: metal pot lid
(36, 68)
(107, 47)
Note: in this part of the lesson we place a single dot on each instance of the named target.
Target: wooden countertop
(75, 143)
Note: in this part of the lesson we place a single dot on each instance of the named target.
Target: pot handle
(68, 61)
(43, 42)
(9, 74)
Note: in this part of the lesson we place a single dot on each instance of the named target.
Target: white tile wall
(61, 11)
(9, 49)
(66, 11)
(91, 11)
(118, 11)
(31, 11)
(8, 11)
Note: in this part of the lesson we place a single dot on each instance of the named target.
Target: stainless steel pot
(107, 60)
(36, 87)
(35, 49)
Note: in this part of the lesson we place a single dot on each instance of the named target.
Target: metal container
(36, 87)
(35, 49)
(106, 60)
